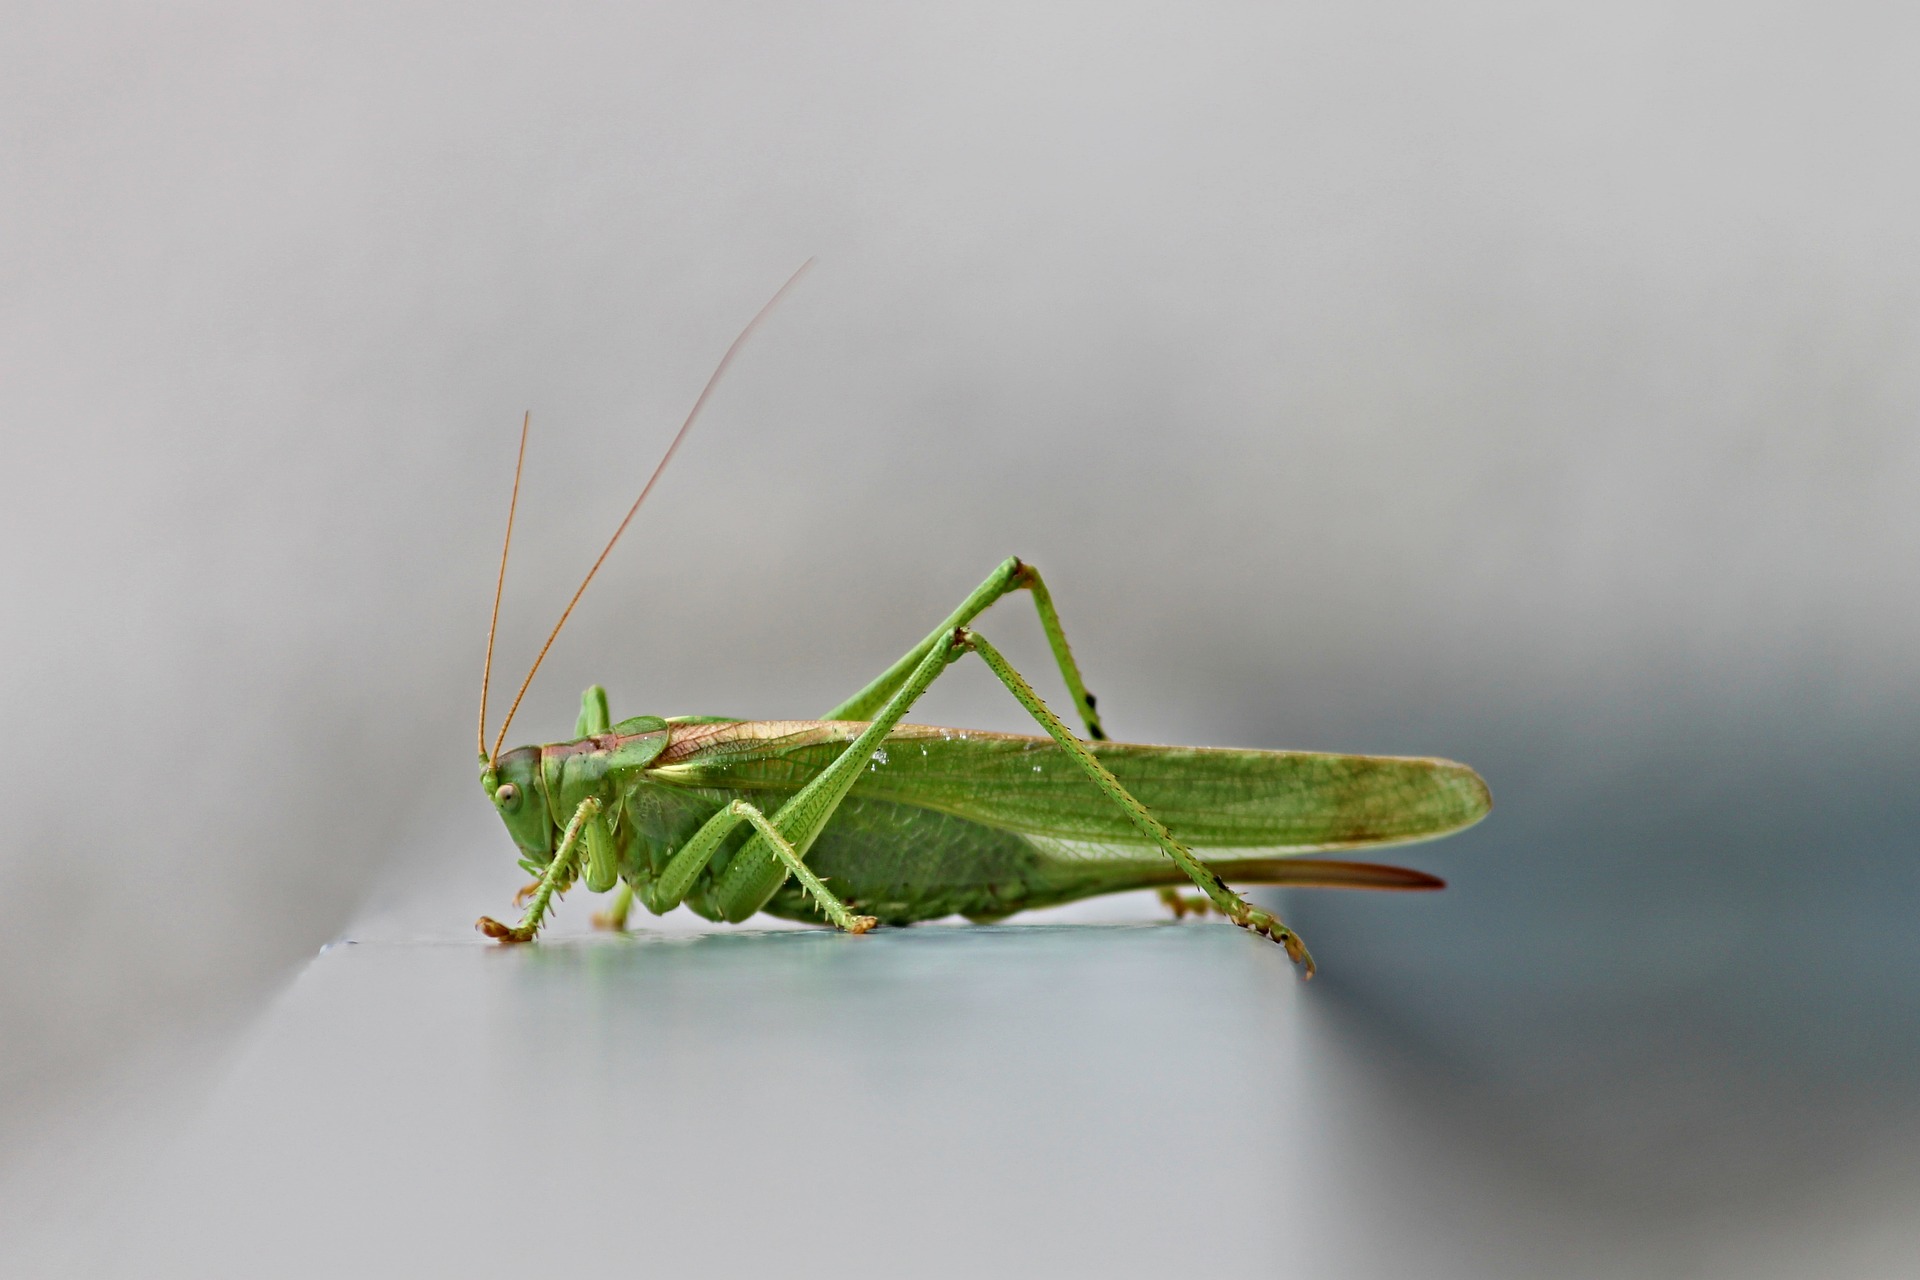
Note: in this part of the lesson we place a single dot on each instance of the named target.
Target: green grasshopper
(861, 819)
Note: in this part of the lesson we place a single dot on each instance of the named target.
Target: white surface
(941, 1101)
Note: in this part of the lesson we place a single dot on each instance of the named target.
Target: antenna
(486, 673)
(665, 458)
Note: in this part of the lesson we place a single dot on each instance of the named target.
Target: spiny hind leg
(1225, 900)
(558, 877)
(1013, 574)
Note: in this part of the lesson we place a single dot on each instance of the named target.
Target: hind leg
(1225, 900)
(1014, 574)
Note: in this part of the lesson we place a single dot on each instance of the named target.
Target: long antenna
(665, 458)
(486, 673)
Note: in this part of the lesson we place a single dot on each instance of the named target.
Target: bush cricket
(860, 819)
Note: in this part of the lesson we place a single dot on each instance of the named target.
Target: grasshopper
(860, 819)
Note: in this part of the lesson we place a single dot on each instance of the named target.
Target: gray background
(1530, 385)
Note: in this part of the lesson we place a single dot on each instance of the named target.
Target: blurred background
(1531, 385)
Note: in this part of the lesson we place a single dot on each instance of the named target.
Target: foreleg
(559, 876)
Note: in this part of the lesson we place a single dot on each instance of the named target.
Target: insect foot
(524, 892)
(1268, 925)
(1181, 905)
(860, 924)
(503, 933)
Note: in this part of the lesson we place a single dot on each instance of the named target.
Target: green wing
(1212, 798)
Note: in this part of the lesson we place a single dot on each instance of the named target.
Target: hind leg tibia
(1225, 900)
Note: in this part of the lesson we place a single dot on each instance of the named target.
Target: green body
(948, 821)
(860, 818)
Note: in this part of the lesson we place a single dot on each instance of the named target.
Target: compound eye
(507, 796)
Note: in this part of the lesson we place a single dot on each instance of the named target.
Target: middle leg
(614, 918)
(670, 888)
(1181, 905)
